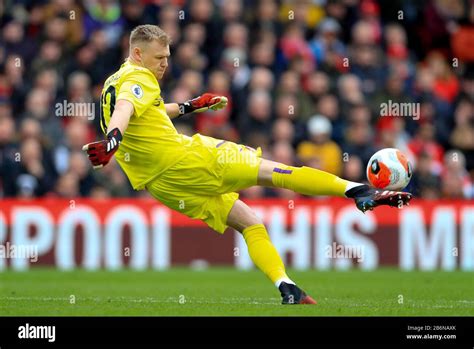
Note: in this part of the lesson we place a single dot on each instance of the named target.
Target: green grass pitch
(228, 292)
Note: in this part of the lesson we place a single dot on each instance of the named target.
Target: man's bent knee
(241, 216)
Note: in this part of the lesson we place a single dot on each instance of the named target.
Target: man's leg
(264, 254)
(310, 181)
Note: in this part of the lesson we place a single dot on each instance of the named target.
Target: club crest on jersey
(157, 102)
(137, 91)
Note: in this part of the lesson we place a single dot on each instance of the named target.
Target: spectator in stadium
(103, 15)
(66, 9)
(317, 85)
(192, 80)
(327, 48)
(328, 106)
(424, 141)
(258, 113)
(287, 107)
(79, 166)
(462, 136)
(36, 175)
(295, 51)
(353, 169)
(67, 186)
(320, 147)
(31, 128)
(358, 140)
(12, 82)
(15, 42)
(51, 55)
(9, 156)
(349, 92)
(454, 171)
(283, 131)
(38, 106)
(426, 181)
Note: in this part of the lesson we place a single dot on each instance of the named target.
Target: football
(389, 169)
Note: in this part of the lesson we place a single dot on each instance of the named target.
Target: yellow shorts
(203, 184)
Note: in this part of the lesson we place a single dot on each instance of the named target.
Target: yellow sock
(263, 253)
(309, 181)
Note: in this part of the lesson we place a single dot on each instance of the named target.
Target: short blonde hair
(148, 33)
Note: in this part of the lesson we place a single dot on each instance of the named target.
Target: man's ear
(137, 54)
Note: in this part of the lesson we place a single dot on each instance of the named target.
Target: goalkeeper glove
(101, 152)
(202, 103)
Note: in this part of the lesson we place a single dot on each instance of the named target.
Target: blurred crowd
(305, 80)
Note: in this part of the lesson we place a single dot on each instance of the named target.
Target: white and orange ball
(389, 169)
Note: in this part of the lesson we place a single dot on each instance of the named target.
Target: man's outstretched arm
(121, 117)
(172, 109)
(101, 152)
(196, 105)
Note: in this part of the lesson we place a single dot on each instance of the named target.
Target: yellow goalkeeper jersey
(151, 143)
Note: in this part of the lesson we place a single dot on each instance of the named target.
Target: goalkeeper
(200, 176)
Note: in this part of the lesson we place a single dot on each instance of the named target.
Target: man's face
(154, 56)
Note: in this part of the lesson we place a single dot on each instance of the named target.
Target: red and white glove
(202, 103)
(101, 152)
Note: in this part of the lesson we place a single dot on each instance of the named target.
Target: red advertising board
(319, 234)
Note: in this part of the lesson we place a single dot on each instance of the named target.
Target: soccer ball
(389, 169)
